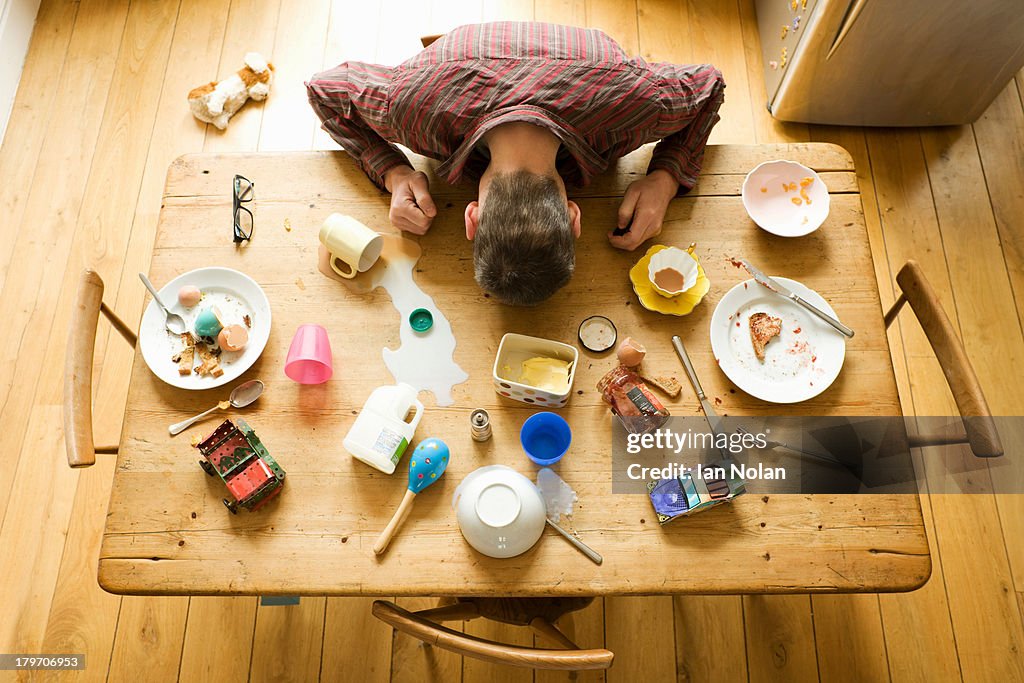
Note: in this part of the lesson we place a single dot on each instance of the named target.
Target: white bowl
(500, 512)
(678, 260)
(778, 198)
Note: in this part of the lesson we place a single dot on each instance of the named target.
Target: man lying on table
(523, 108)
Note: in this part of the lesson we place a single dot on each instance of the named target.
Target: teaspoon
(243, 395)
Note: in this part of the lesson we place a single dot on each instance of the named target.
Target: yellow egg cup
(681, 304)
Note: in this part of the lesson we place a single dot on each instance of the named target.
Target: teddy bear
(216, 103)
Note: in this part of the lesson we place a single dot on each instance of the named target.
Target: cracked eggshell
(233, 338)
(631, 352)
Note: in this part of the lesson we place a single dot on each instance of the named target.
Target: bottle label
(390, 444)
(640, 400)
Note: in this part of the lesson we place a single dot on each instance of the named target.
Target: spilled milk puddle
(425, 361)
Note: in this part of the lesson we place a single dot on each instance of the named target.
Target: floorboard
(218, 639)
(30, 116)
(780, 638)
(28, 302)
(288, 642)
(641, 633)
(83, 618)
(711, 642)
(357, 646)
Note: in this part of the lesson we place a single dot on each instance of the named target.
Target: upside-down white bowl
(500, 512)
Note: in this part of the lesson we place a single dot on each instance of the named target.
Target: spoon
(243, 395)
(174, 323)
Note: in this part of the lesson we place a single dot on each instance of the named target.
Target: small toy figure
(238, 456)
(216, 103)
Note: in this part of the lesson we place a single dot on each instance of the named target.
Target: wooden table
(168, 533)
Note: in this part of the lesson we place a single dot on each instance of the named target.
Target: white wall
(17, 18)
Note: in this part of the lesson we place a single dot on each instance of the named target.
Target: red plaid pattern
(578, 83)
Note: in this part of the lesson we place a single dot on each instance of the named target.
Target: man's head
(524, 232)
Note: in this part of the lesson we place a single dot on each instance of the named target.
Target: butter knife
(779, 288)
(713, 420)
(594, 556)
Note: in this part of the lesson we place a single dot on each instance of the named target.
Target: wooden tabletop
(167, 531)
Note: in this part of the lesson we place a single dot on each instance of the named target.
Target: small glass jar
(632, 401)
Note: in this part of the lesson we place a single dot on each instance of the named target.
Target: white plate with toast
(799, 363)
(238, 299)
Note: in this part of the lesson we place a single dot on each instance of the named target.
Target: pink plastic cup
(309, 357)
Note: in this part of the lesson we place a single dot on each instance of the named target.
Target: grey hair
(524, 250)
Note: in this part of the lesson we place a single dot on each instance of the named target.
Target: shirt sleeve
(693, 96)
(349, 99)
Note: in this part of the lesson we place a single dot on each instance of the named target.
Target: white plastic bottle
(383, 429)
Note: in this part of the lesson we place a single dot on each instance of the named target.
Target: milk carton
(384, 428)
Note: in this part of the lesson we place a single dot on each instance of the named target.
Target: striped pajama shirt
(577, 83)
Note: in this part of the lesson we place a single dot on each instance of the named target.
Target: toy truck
(239, 458)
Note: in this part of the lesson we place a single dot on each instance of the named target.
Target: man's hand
(643, 209)
(412, 208)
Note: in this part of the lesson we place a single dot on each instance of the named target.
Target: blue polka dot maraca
(427, 464)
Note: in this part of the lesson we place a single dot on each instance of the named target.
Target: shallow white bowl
(678, 260)
(772, 207)
(500, 512)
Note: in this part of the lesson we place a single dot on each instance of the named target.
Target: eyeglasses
(244, 193)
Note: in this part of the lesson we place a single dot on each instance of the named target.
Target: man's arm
(693, 95)
(341, 97)
(344, 97)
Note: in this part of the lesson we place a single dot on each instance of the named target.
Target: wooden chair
(78, 369)
(979, 427)
(539, 614)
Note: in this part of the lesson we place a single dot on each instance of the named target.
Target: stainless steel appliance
(888, 62)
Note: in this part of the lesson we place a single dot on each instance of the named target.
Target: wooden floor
(101, 112)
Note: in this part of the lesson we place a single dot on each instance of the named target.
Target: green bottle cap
(421, 320)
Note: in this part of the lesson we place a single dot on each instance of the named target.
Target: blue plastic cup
(545, 438)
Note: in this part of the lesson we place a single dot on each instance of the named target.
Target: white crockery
(772, 207)
(236, 295)
(516, 348)
(500, 512)
(677, 259)
(347, 240)
(803, 361)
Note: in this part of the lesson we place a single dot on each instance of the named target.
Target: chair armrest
(960, 376)
(488, 650)
(78, 438)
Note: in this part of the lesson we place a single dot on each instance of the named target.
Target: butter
(549, 374)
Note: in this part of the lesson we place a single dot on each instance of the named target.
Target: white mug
(350, 243)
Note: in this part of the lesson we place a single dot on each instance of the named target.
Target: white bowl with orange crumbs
(785, 198)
